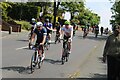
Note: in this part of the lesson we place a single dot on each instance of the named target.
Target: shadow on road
(19, 69)
(58, 62)
(23, 40)
(95, 76)
(99, 38)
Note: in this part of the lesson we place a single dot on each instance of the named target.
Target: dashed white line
(22, 48)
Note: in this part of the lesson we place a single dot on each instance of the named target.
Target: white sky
(102, 8)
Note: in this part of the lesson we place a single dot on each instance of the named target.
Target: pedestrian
(112, 54)
(101, 30)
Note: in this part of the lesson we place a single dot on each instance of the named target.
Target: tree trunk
(54, 14)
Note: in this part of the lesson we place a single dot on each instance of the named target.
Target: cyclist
(58, 28)
(96, 30)
(86, 30)
(67, 30)
(48, 26)
(33, 23)
(41, 33)
(101, 30)
(74, 28)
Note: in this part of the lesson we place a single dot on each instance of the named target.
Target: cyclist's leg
(42, 52)
(64, 38)
(50, 33)
(69, 44)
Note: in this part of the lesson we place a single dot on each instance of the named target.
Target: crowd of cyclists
(43, 31)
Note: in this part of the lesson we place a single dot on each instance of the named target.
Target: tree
(4, 6)
(73, 7)
(116, 14)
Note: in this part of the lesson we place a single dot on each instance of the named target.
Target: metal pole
(10, 29)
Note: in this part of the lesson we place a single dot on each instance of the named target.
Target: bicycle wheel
(46, 46)
(31, 65)
(55, 39)
(39, 62)
(63, 58)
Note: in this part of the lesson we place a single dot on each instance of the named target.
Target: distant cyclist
(67, 30)
(86, 30)
(33, 23)
(41, 33)
(58, 29)
(101, 30)
(96, 30)
(49, 28)
(74, 28)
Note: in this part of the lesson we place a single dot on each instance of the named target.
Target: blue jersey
(47, 25)
(40, 34)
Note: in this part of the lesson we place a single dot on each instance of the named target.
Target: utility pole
(55, 11)
(54, 14)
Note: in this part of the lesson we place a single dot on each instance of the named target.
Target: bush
(23, 11)
(24, 25)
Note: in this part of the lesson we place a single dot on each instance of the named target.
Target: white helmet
(39, 24)
(33, 19)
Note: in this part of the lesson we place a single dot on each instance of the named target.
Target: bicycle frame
(36, 59)
(65, 54)
(47, 44)
(57, 38)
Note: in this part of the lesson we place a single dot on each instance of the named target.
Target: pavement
(4, 34)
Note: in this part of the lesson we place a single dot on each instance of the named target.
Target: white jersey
(67, 32)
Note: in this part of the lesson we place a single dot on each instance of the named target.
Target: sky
(102, 8)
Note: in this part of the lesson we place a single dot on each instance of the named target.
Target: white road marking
(21, 48)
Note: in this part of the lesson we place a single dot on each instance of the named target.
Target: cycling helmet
(38, 24)
(33, 19)
(47, 20)
(67, 23)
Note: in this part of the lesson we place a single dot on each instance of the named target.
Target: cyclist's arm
(71, 32)
(61, 32)
(49, 28)
(33, 37)
(44, 37)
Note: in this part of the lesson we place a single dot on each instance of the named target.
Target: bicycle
(96, 34)
(57, 38)
(36, 58)
(65, 54)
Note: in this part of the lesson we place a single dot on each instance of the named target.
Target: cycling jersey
(58, 29)
(40, 34)
(49, 25)
(67, 32)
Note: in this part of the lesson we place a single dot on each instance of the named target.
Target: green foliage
(4, 6)
(25, 25)
(21, 11)
(116, 13)
(75, 21)
(85, 15)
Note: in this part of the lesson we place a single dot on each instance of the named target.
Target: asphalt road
(84, 61)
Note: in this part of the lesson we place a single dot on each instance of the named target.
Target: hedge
(23, 12)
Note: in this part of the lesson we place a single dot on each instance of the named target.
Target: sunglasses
(38, 27)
